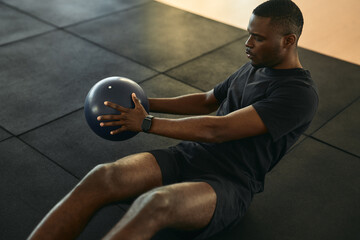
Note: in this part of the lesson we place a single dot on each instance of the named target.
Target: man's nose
(248, 42)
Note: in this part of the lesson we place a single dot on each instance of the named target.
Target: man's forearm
(200, 128)
(192, 104)
(240, 124)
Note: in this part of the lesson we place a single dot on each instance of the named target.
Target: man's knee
(158, 203)
(95, 179)
(111, 178)
(124, 179)
(160, 199)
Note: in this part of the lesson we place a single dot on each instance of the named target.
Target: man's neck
(291, 61)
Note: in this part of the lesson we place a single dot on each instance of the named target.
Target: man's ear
(290, 40)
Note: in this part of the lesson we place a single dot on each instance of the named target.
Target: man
(205, 183)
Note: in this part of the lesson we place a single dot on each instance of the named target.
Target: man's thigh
(232, 197)
(191, 204)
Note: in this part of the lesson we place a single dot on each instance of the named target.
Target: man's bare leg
(187, 206)
(123, 179)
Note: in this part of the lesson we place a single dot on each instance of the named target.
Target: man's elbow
(215, 135)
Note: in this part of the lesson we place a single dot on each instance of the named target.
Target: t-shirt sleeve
(287, 108)
(221, 90)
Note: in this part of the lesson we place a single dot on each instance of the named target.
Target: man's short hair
(285, 15)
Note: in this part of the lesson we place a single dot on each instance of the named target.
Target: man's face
(264, 45)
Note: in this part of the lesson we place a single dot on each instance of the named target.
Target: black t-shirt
(286, 101)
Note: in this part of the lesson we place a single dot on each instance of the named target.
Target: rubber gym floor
(51, 53)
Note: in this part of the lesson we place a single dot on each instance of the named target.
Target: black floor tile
(18, 219)
(163, 86)
(312, 194)
(157, 35)
(71, 143)
(30, 185)
(15, 25)
(207, 71)
(62, 14)
(48, 76)
(343, 131)
(338, 84)
(4, 134)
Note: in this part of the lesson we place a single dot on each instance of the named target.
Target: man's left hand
(130, 119)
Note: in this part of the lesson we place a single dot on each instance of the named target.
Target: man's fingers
(116, 106)
(119, 130)
(114, 124)
(111, 124)
(128, 119)
(135, 99)
(109, 117)
(113, 116)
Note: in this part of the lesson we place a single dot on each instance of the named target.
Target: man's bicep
(211, 101)
(287, 109)
(243, 123)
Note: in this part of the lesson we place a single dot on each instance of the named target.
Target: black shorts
(233, 197)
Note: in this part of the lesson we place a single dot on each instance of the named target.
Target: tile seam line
(142, 64)
(51, 121)
(333, 146)
(56, 27)
(64, 29)
(142, 81)
(29, 37)
(29, 15)
(58, 118)
(28, 204)
(48, 158)
(61, 117)
(183, 82)
(334, 116)
(166, 72)
(320, 141)
(90, 42)
(104, 16)
(205, 53)
(72, 24)
(178, 80)
(148, 78)
(7, 138)
(108, 50)
(4, 129)
(133, 60)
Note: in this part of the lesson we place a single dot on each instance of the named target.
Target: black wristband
(146, 124)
